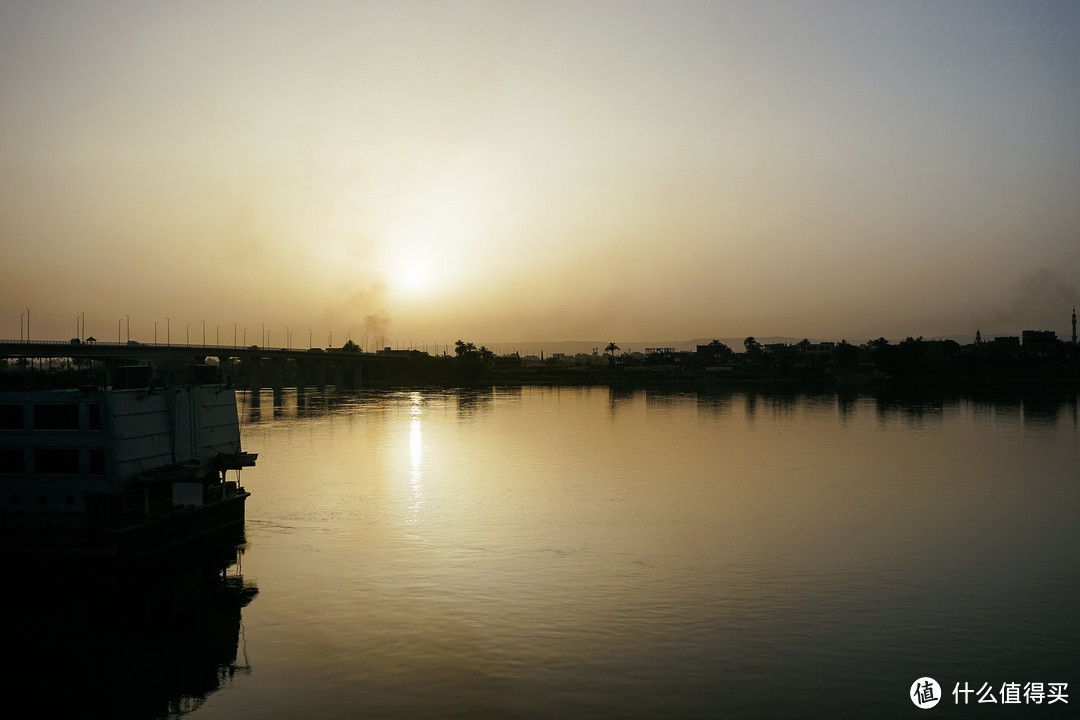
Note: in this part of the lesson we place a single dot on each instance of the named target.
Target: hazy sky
(513, 171)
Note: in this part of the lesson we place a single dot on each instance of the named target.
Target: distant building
(1040, 343)
(715, 350)
(504, 362)
(389, 351)
(663, 356)
(820, 352)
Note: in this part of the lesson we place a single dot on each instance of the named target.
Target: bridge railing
(194, 346)
(130, 343)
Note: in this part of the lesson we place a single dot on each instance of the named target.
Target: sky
(412, 173)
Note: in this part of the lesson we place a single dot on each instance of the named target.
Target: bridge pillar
(277, 374)
(226, 368)
(353, 377)
(334, 373)
(255, 404)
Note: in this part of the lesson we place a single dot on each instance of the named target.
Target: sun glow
(414, 277)
(412, 271)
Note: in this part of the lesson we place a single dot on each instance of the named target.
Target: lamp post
(245, 337)
(155, 332)
(309, 338)
(127, 320)
(288, 338)
(119, 324)
(187, 333)
(217, 336)
(330, 342)
(234, 334)
(27, 324)
(263, 341)
(204, 333)
(82, 336)
(168, 334)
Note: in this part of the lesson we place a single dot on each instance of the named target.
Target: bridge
(250, 366)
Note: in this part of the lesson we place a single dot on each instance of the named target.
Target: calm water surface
(541, 553)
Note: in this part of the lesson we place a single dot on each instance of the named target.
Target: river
(591, 553)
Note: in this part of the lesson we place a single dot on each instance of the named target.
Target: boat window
(97, 461)
(11, 461)
(95, 416)
(11, 417)
(56, 417)
(56, 461)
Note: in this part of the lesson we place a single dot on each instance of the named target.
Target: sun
(414, 277)
(412, 271)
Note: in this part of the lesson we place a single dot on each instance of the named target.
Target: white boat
(118, 471)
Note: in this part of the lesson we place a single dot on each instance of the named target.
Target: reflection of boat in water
(145, 640)
(121, 470)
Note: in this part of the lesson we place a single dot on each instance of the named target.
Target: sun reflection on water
(416, 456)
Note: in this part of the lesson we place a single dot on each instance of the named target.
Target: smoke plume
(1041, 299)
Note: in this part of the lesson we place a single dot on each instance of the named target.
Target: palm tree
(610, 352)
(719, 349)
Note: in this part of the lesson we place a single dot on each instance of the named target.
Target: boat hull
(152, 535)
